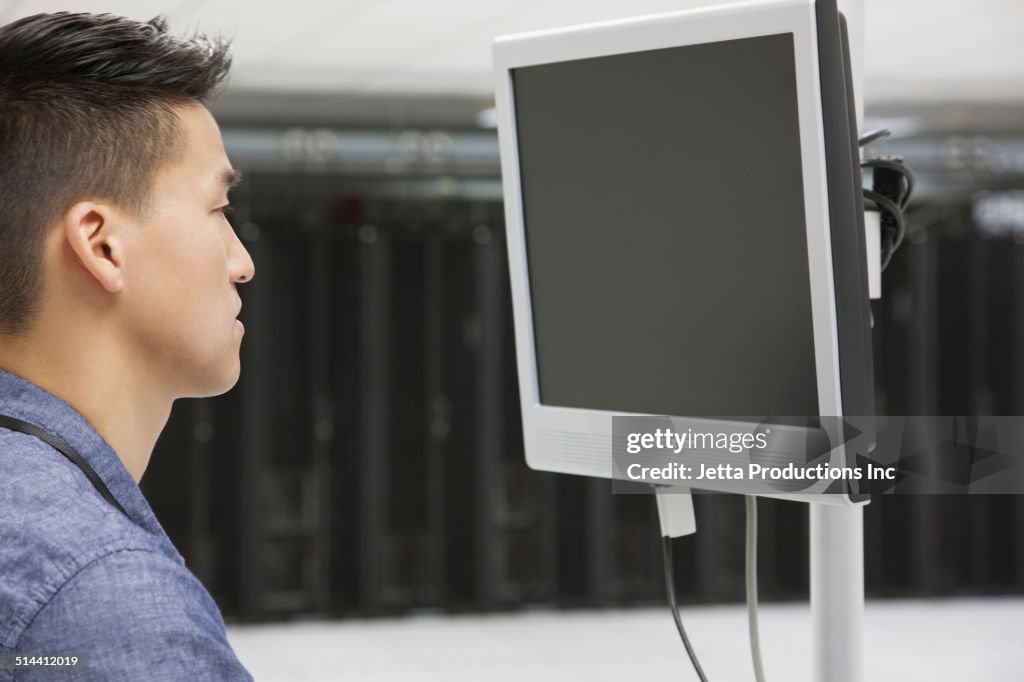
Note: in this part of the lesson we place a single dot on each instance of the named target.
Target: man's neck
(117, 401)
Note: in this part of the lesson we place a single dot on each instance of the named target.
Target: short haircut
(86, 112)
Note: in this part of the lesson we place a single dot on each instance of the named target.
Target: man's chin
(216, 383)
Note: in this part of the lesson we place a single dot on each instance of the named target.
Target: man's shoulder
(52, 525)
(136, 615)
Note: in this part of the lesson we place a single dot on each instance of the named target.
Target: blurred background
(370, 460)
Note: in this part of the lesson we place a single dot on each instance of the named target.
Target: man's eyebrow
(231, 177)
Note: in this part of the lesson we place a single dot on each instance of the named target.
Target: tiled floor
(977, 640)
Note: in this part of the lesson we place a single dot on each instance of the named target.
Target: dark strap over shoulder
(63, 448)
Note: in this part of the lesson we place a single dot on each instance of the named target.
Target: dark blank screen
(666, 241)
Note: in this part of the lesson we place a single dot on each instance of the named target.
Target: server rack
(1016, 370)
(447, 512)
(286, 543)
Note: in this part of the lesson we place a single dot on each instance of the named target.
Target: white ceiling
(916, 50)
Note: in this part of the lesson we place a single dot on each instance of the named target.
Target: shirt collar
(21, 399)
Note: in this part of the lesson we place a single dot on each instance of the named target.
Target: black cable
(890, 195)
(61, 446)
(889, 206)
(670, 588)
(893, 165)
(887, 256)
(893, 209)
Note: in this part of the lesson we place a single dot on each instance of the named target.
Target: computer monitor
(685, 233)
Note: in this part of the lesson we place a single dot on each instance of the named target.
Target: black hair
(86, 111)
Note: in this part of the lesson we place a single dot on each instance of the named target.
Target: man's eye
(226, 210)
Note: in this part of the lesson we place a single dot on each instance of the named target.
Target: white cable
(751, 577)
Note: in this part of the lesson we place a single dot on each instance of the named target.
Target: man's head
(113, 178)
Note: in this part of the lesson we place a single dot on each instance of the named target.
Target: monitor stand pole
(837, 533)
(837, 593)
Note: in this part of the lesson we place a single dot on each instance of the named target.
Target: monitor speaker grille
(574, 445)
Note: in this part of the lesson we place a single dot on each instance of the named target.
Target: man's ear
(90, 230)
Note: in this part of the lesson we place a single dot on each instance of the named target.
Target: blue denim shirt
(77, 577)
